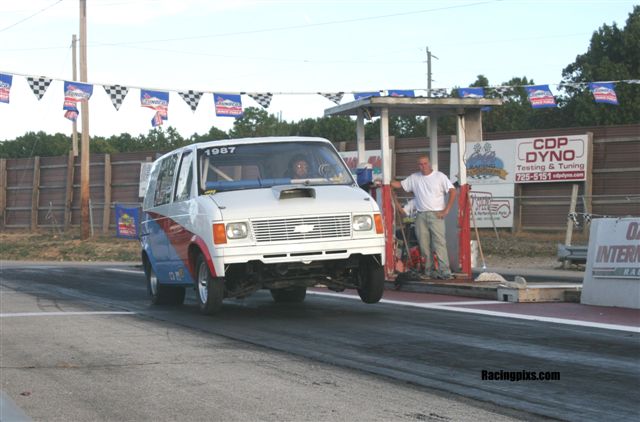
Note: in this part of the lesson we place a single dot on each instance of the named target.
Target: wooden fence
(44, 192)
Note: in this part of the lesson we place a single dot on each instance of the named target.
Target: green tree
(214, 134)
(33, 144)
(257, 122)
(613, 55)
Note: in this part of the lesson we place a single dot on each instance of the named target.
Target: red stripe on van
(181, 238)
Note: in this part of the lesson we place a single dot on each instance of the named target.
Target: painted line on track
(120, 270)
(70, 313)
(451, 306)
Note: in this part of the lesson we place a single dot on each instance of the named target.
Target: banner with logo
(362, 95)
(603, 92)
(5, 87)
(401, 93)
(127, 222)
(612, 275)
(471, 92)
(158, 101)
(74, 92)
(492, 205)
(551, 159)
(540, 96)
(228, 105)
(488, 162)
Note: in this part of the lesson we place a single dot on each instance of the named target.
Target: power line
(275, 59)
(29, 17)
(312, 25)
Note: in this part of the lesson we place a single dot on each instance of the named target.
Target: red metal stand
(464, 225)
(388, 218)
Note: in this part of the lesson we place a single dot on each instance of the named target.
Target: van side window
(164, 186)
(185, 177)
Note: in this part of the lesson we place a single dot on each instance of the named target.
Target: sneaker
(445, 276)
(428, 275)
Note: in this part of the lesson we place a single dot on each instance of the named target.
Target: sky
(293, 49)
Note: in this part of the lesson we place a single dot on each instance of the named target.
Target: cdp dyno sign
(551, 159)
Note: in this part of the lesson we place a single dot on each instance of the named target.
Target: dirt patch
(525, 250)
(26, 246)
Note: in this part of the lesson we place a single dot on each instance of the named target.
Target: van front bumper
(304, 252)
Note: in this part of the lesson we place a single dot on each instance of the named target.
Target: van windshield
(264, 165)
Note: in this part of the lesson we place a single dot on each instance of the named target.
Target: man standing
(429, 189)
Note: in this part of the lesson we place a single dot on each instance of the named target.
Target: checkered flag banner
(576, 85)
(573, 216)
(439, 93)
(39, 85)
(192, 98)
(264, 99)
(336, 97)
(117, 94)
(501, 90)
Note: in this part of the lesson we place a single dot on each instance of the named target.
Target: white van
(233, 216)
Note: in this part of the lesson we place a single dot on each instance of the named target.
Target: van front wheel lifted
(371, 278)
(209, 290)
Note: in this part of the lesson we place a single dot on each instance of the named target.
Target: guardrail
(572, 254)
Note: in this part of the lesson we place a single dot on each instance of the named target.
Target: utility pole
(431, 121)
(84, 112)
(74, 134)
(429, 79)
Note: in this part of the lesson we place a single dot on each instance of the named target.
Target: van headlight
(237, 230)
(362, 223)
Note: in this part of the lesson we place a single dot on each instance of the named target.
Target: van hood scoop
(293, 191)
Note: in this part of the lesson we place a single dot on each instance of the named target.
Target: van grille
(318, 227)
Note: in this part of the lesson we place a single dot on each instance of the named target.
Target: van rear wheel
(161, 294)
(209, 289)
(371, 275)
(295, 294)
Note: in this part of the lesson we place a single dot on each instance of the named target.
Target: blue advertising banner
(228, 105)
(5, 87)
(471, 92)
(362, 95)
(127, 222)
(401, 93)
(158, 101)
(74, 92)
(603, 92)
(540, 96)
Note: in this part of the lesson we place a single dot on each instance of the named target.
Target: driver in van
(299, 167)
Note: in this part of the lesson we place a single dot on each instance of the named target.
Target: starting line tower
(469, 129)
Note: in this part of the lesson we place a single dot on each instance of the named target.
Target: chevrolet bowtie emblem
(303, 228)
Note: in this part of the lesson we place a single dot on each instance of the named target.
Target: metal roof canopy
(412, 106)
(469, 126)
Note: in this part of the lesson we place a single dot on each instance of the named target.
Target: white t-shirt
(429, 191)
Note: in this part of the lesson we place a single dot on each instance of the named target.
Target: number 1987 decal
(220, 150)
